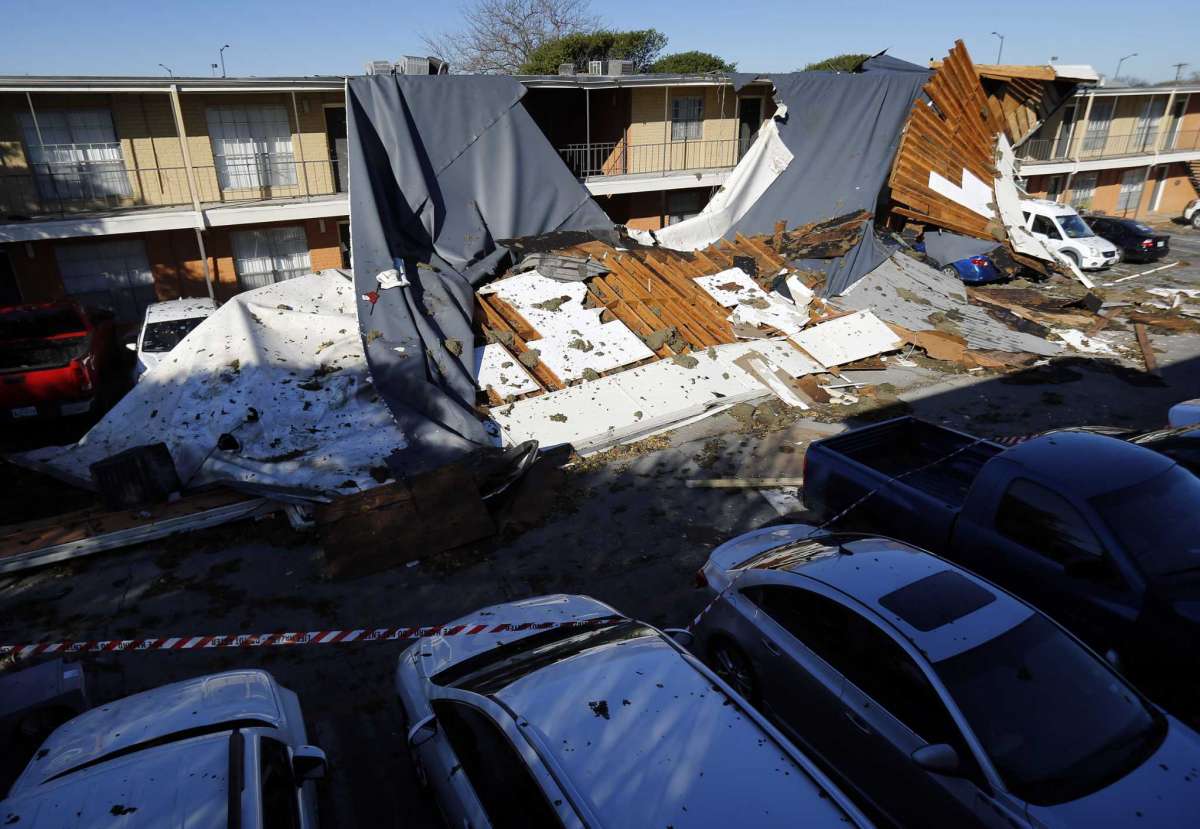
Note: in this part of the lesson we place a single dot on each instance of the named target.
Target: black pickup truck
(1100, 533)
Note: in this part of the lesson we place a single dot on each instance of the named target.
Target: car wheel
(1196, 219)
(949, 270)
(734, 667)
(1073, 256)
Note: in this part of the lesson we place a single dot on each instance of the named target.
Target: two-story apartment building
(651, 148)
(124, 191)
(1123, 151)
(121, 191)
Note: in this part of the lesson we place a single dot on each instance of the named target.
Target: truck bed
(897, 447)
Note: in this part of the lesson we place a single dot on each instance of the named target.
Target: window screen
(252, 146)
(74, 154)
(687, 118)
(112, 274)
(1041, 521)
(499, 775)
(270, 255)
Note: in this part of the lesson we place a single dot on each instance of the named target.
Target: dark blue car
(973, 270)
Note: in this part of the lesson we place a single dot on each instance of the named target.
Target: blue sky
(304, 37)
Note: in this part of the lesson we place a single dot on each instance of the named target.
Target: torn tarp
(842, 130)
(944, 247)
(440, 168)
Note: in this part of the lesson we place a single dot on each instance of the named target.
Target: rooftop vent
(380, 67)
(566, 69)
(620, 67)
(411, 65)
(595, 67)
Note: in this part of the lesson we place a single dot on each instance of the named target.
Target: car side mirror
(132, 346)
(422, 732)
(939, 758)
(680, 636)
(309, 763)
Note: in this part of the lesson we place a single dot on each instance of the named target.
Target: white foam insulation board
(641, 400)
(500, 371)
(751, 305)
(607, 346)
(849, 338)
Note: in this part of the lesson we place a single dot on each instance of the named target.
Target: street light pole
(1117, 74)
(222, 54)
(999, 51)
(169, 72)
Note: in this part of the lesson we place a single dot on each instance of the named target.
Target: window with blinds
(263, 257)
(1083, 188)
(1131, 189)
(1098, 125)
(687, 118)
(252, 147)
(74, 154)
(113, 274)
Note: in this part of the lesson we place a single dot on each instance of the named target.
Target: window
(1164, 548)
(280, 805)
(864, 654)
(1130, 197)
(937, 600)
(683, 204)
(1098, 124)
(687, 118)
(1173, 125)
(252, 146)
(1054, 188)
(74, 154)
(114, 275)
(501, 778)
(1045, 226)
(1146, 131)
(1036, 518)
(1066, 130)
(1083, 188)
(262, 257)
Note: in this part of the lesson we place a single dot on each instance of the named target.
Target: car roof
(1087, 463)
(872, 570)
(179, 309)
(177, 784)
(182, 707)
(1046, 206)
(648, 740)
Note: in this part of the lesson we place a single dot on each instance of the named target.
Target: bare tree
(498, 35)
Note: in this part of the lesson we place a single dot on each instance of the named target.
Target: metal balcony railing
(618, 159)
(71, 186)
(1115, 145)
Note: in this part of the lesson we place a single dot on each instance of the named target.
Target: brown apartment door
(749, 120)
(335, 134)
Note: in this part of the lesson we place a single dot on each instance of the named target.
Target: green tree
(685, 63)
(641, 46)
(837, 63)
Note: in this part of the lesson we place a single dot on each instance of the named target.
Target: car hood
(195, 703)
(1097, 244)
(445, 651)
(1163, 791)
(734, 552)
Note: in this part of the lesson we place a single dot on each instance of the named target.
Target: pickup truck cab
(55, 359)
(1102, 534)
(225, 750)
(1066, 233)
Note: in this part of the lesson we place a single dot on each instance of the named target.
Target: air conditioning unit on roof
(620, 67)
(566, 69)
(413, 65)
(380, 67)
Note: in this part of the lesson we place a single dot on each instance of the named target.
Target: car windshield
(1056, 722)
(165, 335)
(1158, 521)
(1075, 227)
(35, 323)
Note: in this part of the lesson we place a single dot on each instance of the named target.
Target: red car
(56, 359)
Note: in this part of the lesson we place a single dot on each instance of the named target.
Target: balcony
(96, 180)
(1092, 147)
(610, 159)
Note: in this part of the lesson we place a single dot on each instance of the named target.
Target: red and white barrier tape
(262, 640)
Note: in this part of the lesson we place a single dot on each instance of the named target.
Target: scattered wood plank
(1143, 340)
(743, 483)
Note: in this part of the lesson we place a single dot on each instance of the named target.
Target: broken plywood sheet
(502, 373)
(849, 338)
(907, 292)
(578, 353)
(645, 399)
(734, 288)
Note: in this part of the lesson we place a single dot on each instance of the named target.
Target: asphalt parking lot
(625, 529)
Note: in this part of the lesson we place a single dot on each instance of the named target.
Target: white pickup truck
(225, 750)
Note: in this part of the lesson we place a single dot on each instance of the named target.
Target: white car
(605, 724)
(164, 325)
(1064, 231)
(1191, 213)
(165, 757)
